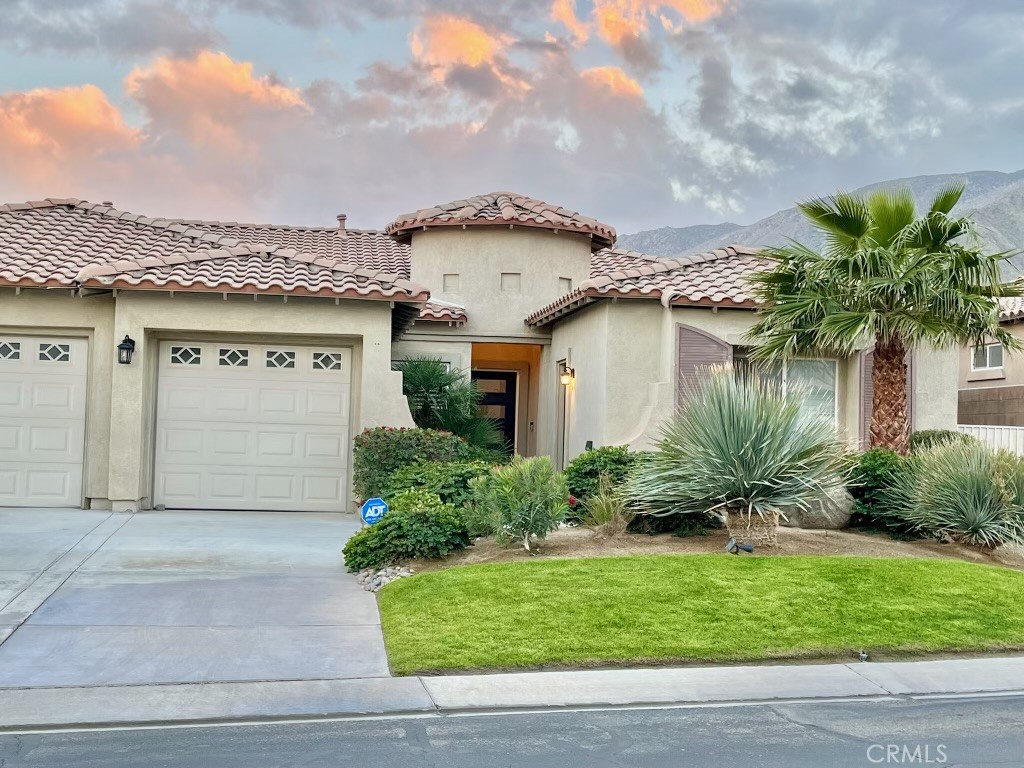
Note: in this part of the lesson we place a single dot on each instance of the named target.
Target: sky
(638, 112)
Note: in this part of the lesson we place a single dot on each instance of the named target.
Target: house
(219, 365)
(991, 380)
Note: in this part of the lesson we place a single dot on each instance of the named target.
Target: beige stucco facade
(625, 356)
(122, 398)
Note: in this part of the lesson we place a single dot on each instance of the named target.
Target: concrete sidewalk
(226, 702)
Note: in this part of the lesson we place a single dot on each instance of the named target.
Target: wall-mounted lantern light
(125, 350)
(567, 375)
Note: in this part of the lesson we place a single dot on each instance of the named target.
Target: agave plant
(744, 449)
(962, 491)
(443, 398)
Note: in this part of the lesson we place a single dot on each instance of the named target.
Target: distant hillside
(994, 199)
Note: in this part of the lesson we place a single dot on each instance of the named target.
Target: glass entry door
(499, 401)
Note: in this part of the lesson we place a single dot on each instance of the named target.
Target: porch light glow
(125, 350)
(567, 375)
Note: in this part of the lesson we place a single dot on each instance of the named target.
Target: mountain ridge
(994, 199)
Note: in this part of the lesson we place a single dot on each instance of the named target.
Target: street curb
(224, 703)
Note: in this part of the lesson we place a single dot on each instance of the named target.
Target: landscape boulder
(831, 512)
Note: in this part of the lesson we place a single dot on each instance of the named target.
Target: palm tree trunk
(889, 423)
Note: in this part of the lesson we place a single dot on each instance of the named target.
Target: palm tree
(885, 276)
(444, 398)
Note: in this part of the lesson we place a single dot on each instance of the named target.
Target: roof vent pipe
(342, 218)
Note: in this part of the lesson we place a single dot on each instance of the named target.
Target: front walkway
(98, 599)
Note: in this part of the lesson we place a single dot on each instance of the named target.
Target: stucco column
(127, 411)
(382, 403)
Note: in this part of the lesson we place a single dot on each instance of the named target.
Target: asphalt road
(974, 732)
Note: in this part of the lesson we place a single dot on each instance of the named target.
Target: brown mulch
(582, 542)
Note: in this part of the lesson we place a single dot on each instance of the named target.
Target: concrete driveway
(93, 599)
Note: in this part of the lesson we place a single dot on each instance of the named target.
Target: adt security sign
(373, 510)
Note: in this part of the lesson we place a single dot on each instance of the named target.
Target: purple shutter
(867, 396)
(867, 393)
(697, 352)
(909, 360)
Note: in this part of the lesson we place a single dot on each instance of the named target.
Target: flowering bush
(382, 450)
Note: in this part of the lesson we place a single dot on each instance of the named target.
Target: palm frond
(891, 211)
(948, 196)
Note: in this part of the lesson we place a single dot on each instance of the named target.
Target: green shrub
(448, 479)
(584, 473)
(927, 438)
(418, 525)
(962, 491)
(741, 447)
(526, 499)
(382, 450)
(445, 398)
(871, 478)
(606, 511)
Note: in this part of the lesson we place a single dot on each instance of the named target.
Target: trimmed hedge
(418, 525)
(381, 451)
(449, 480)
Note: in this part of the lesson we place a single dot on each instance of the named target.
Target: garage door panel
(42, 420)
(246, 426)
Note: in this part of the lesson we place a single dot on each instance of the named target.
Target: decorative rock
(372, 580)
(831, 512)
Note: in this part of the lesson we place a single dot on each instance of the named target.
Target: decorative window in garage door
(236, 358)
(327, 361)
(186, 355)
(280, 358)
(55, 353)
(10, 350)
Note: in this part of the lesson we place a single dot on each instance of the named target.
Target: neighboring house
(260, 351)
(991, 379)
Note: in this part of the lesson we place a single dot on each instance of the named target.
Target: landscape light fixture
(125, 350)
(734, 548)
(567, 375)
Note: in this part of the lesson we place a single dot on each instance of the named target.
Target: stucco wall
(935, 388)
(582, 340)
(458, 354)
(479, 256)
(37, 311)
(625, 353)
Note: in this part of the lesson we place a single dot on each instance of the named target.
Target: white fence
(1010, 438)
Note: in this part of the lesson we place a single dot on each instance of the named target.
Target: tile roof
(501, 208)
(1011, 308)
(714, 279)
(252, 269)
(443, 311)
(65, 241)
(365, 248)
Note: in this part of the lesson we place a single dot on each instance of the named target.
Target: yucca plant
(607, 512)
(965, 492)
(744, 449)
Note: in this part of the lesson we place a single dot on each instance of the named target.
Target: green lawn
(663, 608)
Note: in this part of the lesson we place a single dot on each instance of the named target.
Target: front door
(499, 401)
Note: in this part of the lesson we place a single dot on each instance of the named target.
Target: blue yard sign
(373, 510)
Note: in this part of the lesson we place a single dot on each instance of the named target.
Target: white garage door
(247, 426)
(42, 420)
